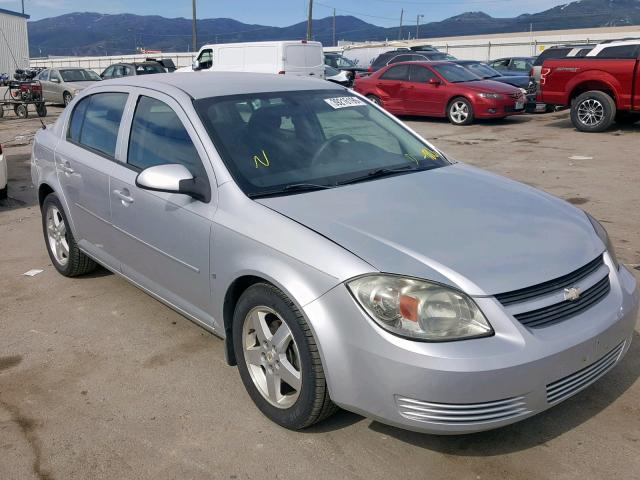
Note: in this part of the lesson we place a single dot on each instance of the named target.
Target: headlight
(493, 96)
(604, 236)
(418, 309)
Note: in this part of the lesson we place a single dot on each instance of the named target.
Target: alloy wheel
(272, 357)
(57, 235)
(591, 112)
(459, 111)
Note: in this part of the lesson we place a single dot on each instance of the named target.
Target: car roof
(217, 84)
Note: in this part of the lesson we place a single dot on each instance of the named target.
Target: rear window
(148, 68)
(96, 120)
(304, 55)
(551, 54)
(622, 51)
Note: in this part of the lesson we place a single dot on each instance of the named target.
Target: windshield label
(342, 102)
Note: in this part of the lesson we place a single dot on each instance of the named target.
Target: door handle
(123, 195)
(66, 168)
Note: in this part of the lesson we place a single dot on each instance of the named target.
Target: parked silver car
(61, 85)
(345, 260)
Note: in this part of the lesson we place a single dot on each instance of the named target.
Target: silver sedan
(61, 85)
(344, 260)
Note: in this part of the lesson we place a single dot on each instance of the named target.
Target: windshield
(274, 142)
(79, 75)
(454, 73)
(482, 70)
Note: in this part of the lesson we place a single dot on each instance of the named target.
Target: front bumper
(472, 385)
(498, 108)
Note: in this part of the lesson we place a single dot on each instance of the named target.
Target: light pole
(418, 17)
(310, 21)
(194, 28)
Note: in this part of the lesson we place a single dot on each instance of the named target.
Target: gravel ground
(100, 381)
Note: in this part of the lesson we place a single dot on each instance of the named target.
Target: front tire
(593, 111)
(278, 359)
(66, 98)
(62, 247)
(460, 111)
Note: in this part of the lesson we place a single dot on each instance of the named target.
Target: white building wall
(14, 43)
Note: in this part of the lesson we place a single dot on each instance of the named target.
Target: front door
(422, 97)
(390, 85)
(84, 160)
(163, 240)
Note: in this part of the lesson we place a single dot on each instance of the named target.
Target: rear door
(304, 59)
(390, 86)
(84, 161)
(43, 77)
(422, 97)
(163, 239)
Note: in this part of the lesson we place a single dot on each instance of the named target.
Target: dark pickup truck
(599, 90)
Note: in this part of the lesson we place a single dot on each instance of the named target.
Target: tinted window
(158, 137)
(147, 68)
(401, 72)
(455, 73)
(79, 75)
(420, 74)
(550, 54)
(96, 121)
(583, 52)
(108, 72)
(401, 58)
(622, 51)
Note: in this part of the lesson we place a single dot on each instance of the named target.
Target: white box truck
(286, 58)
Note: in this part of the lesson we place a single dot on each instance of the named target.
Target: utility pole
(310, 21)
(418, 17)
(23, 7)
(400, 30)
(194, 28)
(334, 27)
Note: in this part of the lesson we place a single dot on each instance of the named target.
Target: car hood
(458, 225)
(490, 86)
(520, 82)
(80, 85)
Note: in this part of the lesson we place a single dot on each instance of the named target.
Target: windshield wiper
(294, 187)
(382, 172)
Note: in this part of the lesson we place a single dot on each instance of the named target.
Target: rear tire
(460, 111)
(261, 316)
(63, 250)
(593, 111)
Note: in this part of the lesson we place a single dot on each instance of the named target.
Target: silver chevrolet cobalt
(344, 260)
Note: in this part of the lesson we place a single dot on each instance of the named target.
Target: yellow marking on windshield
(259, 161)
(412, 158)
(428, 154)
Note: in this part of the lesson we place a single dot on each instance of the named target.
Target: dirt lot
(98, 380)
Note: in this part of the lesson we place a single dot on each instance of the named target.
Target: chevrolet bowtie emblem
(572, 293)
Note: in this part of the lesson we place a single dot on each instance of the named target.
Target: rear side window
(401, 72)
(622, 51)
(158, 137)
(550, 54)
(95, 122)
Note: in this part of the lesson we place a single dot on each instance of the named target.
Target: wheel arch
(43, 190)
(589, 85)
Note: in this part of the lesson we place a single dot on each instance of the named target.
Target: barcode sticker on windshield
(342, 102)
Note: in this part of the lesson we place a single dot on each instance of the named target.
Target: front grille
(461, 413)
(557, 312)
(572, 384)
(523, 294)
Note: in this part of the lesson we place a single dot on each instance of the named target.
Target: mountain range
(99, 34)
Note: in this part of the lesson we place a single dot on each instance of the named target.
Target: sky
(280, 13)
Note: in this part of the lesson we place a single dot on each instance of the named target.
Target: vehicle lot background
(99, 380)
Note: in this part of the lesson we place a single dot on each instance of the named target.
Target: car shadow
(536, 430)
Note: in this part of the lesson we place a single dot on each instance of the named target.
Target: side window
(108, 73)
(520, 65)
(401, 72)
(95, 122)
(500, 64)
(158, 137)
(54, 76)
(128, 71)
(420, 74)
(44, 75)
(622, 51)
(400, 58)
(206, 59)
(118, 71)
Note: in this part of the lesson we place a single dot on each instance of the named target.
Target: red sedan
(440, 89)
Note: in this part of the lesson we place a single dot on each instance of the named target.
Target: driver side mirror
(195, 65)
(434, 81)
(174, 178)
